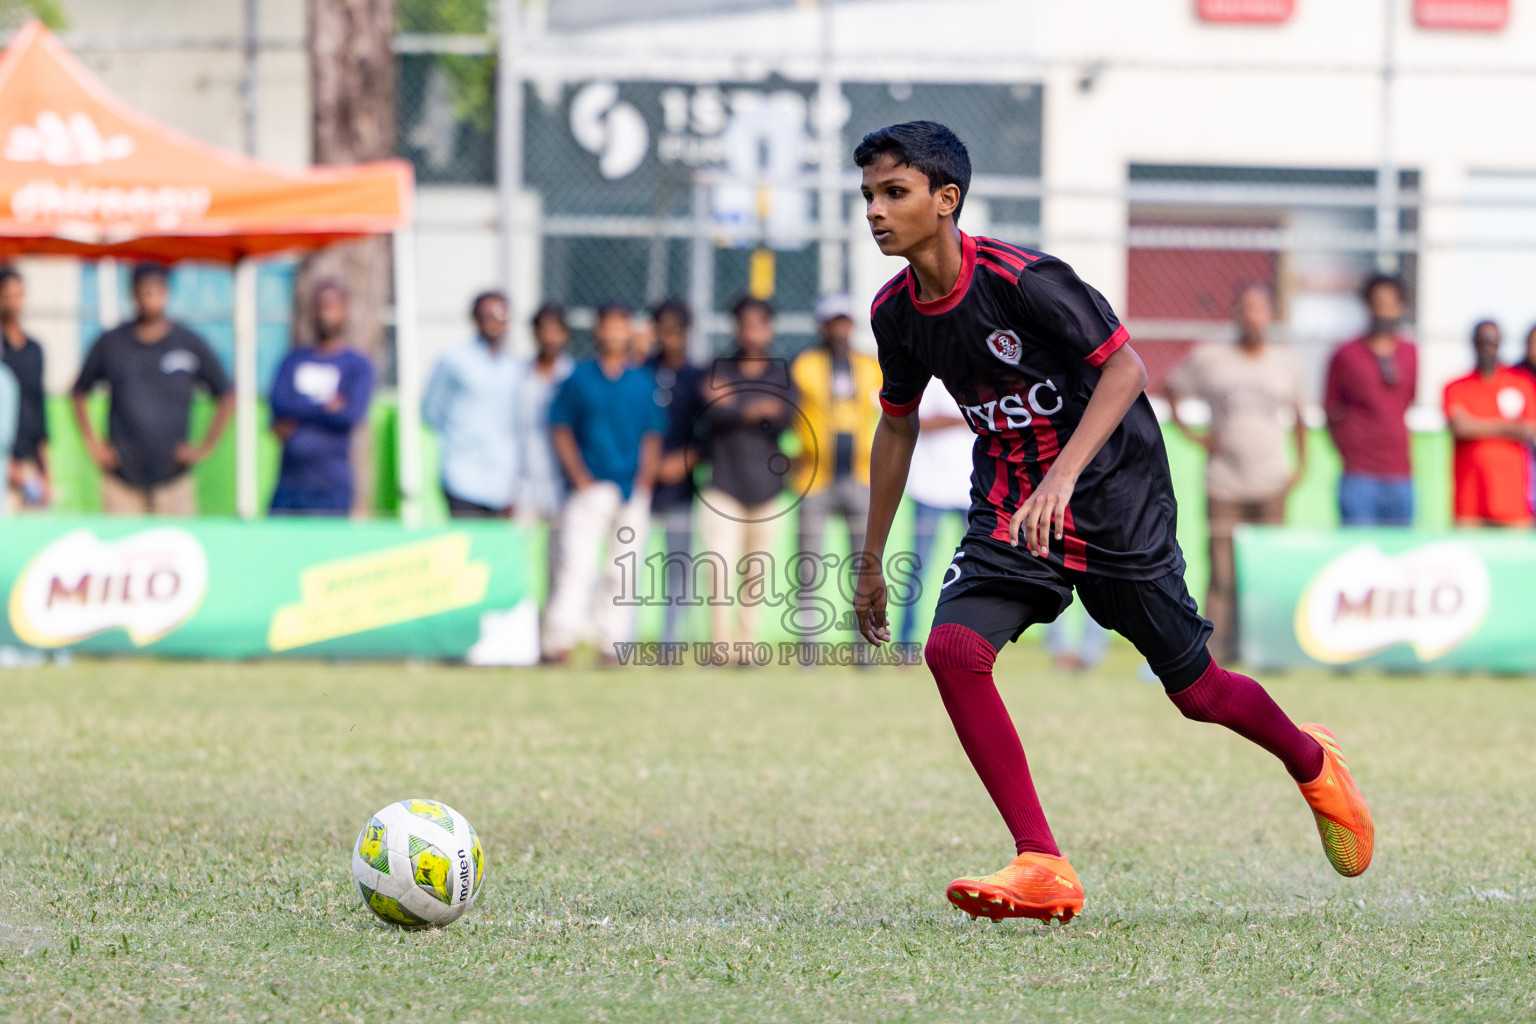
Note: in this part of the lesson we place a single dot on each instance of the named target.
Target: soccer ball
(418, 864)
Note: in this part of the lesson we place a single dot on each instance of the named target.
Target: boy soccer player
(1069, 491)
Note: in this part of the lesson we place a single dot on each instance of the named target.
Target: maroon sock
(962, 665)
(1242, 705)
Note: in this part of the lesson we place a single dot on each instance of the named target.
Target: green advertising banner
(1388, 599)
(227, 589)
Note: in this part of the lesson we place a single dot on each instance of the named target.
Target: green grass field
(693, 845)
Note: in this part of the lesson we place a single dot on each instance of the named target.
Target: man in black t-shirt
(749, 401)
(151, 365)
(1070, 491)
(28, 471)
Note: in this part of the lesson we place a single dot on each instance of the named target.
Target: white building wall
(1171, 89)
(180, 63)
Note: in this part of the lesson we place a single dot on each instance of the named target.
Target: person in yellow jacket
(839, 402)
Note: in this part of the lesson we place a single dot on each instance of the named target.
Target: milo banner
(1390, 599)
(308, 588)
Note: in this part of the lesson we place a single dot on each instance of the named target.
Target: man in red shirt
(1371, 383)
(1492, 412)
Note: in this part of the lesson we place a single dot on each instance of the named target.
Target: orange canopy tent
(83, 174)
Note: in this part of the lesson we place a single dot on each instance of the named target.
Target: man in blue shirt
(470, 403)
(319, 396)
(606, 429)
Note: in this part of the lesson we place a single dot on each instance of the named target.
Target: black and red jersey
(1018, 342)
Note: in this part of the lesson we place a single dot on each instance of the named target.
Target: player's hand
(1043, 514)
(869, 599)
(189, 455)
(674, 466)
(104, 455)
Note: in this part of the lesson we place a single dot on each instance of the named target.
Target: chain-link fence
(708, 190)
(652, 177)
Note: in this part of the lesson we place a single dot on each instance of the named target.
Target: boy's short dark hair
(1383, 280)
(615, 307)
(144, 271)
(484, 297)
(9, 274)
(553, 310)
(752, 302)
(677, 309)
(925, 146)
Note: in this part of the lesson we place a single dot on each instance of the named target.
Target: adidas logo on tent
(64, 143)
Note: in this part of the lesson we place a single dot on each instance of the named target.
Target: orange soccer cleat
(1343, 820)
(1035, 885)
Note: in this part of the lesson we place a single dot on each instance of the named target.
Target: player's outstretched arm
(1122, 379)
(889, 459)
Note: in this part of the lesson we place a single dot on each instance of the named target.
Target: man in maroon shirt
(1371, 383)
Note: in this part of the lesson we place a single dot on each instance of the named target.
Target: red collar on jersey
(962, 283)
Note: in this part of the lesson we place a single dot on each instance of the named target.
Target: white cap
(830, 307)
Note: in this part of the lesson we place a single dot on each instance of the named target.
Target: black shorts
(999, 591)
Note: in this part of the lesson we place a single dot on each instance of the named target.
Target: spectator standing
(151, 365)
(10, 410)
(680, 394)
(470, 403)
(1371, 384)
(27, 476)
(319, 396)
(1252, 388)
(1492, 412)
(606, 430)
(938, 482)
(541, 486)
(838, 394)
(749, 404)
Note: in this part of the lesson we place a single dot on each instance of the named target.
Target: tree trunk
(352, 90)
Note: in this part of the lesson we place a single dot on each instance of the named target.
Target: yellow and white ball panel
(418, 861)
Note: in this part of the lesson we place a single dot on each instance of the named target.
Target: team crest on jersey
(1006, 346)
